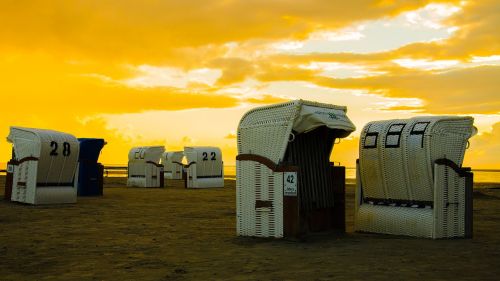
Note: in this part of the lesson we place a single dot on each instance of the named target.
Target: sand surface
(179, 234)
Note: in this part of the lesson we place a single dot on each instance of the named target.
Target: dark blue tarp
(90, 172)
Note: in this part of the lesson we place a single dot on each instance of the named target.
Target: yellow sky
(183, 72)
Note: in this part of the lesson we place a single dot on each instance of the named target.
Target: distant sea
(486, 175)
(480, 175)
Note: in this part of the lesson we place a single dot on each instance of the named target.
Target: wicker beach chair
(204, 167)
(410, 180)
(90, 172)
(172, 164)
(286, 185)
(44, 165)
(144, 169)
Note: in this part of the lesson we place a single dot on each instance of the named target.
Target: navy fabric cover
(90, 172)
(90, 149)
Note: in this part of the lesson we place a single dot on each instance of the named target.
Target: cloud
(265, 99)
(458, 91)
(477, 34)
(462, 91)
(431, 16)
(274, 72)
(138, 32)
(230, 136)
(61, 88)
(234, 70)
(186, 140)
(425, 64)
(426, 24)
(84, 96)
(484, 150)
(156, 76)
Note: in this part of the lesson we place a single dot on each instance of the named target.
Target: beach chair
(43, 166)
(204, 168)
(410, 180)
(172, 164)
(286, 185)
(90, 172)
(144, 168)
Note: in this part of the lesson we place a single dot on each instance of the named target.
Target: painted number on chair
(212, 156)
(290, 184)
(55, 146)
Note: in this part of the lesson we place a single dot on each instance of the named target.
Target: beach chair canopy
(145, 154)
(397, 156)
(267, 130)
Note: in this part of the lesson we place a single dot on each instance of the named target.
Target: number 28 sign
(290, 184)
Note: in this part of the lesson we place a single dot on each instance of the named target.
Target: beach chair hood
(266, 130)
(312, 116)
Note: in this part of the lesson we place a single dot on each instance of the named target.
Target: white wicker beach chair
(410, 180)
(286, 185)
(172, 164)
(144, 169)
(204, 167)
(44, 165)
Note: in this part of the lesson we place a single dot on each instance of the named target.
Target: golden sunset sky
(179, 73)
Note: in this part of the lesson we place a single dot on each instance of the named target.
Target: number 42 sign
(290, 184)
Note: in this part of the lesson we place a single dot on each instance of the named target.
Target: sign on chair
(290, 184)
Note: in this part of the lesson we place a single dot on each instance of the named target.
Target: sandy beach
(179, 234)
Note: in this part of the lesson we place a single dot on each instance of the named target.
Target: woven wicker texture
(395, 220)
(402, 169)
(449, 203)
(265, 130)
(258, 182)
(371, 174)
(25, 172)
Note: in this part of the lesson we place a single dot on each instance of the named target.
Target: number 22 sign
(290, 184)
